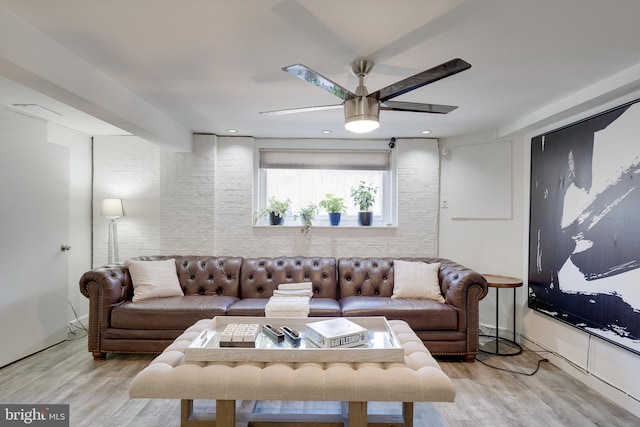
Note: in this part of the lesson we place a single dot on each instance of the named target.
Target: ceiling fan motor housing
(361, 108)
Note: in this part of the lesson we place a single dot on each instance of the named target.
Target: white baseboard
(504, 333)
(610, 391)
(80, 323)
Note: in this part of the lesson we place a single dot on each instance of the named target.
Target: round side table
(498, 282)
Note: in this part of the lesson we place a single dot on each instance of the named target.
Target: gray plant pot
(365, 218)
(275, 219)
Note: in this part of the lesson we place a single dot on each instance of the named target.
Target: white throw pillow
(417, 280)
(154, 279)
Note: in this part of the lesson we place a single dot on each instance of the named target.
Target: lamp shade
(112, 208)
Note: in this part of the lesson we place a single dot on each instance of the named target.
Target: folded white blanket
(289, 294)
(275, 313)
(287, 306)
(302, 286)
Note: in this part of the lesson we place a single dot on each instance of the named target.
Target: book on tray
(336, 333)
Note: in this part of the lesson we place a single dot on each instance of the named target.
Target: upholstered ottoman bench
(417, 379)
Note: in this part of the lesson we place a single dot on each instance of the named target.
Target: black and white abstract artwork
(584, 233)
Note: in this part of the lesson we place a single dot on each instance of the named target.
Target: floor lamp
(112, 209)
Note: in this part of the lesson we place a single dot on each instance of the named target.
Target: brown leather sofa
(234, 286)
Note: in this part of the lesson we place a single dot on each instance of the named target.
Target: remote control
(292, 336)
(272, 332)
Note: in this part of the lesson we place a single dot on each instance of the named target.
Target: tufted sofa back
(205, 275)
(261, 276)
(365, 277)
(374, 276)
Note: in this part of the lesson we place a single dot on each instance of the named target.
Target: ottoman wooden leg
(407, 413)
(186, 409)
(357, 414)
(225, 413)
(224, 416)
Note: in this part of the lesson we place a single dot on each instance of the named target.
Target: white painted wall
(487, 245)
(201, 203)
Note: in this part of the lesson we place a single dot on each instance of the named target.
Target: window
(305, 176)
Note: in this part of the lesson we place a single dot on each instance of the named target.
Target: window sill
(298, 226)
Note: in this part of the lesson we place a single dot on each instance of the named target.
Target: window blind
(325, 159)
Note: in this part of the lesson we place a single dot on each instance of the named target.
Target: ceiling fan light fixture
(361, 114)
(361, 125)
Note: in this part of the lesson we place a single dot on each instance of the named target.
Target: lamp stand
(113, 241)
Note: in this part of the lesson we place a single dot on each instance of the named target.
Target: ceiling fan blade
(307, 74)
(416, 81)
(300, 110)
(417, 107)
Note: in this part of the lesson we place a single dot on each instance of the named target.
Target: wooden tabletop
(497, 281)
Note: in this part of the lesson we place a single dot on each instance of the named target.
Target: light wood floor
(97, 393)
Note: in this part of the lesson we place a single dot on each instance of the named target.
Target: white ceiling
(211, 65)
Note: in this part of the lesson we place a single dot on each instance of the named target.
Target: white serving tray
(383, 345)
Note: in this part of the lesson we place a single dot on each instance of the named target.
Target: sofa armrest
(112, 282)
(464, 288)
(106, 287)
(459, 283)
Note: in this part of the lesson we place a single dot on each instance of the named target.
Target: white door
(34, 210)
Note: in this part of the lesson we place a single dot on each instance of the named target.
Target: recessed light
(425, 132)
(326, 131)
(232, 130)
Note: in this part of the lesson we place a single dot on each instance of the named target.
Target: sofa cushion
(318, 307)
(154, 279)
(420, 314)
(169, 313)
(416, 280)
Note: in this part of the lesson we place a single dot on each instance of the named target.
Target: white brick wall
(201, 203)
(418, 198)
(127, 168)
(187, 200)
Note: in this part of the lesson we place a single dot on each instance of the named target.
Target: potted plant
(334, 206)
(364, 196)
(307, 214)
(276, 209)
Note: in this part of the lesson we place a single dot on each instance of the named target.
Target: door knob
(65, 248)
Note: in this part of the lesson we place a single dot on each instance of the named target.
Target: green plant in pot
(276, 210)
(307, 214)
(334, 206)
(364, 196)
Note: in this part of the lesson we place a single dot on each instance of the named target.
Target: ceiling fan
(361, 109)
